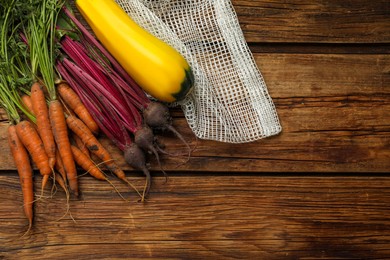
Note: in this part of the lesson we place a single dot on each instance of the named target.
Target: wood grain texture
(318, 190)
(307, 21)
(210, 217)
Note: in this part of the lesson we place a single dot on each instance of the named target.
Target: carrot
(80, 145)
(87, 164)
(60, 177)
(41, 112)
(27, 103)
(74, 102)
(60, 166)
(62, 182)
(95, 147)
(26, 99)
(25, 172)
(60, 132)
(34, 145)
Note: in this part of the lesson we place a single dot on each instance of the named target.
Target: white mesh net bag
(230, 101)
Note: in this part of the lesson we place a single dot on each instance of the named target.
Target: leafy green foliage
(40, 34)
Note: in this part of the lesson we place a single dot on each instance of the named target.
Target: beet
(157, 116)
(135, 157)
(146, 140)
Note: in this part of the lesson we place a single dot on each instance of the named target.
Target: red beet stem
(103, 115)
(102, 93)
(108, 85)
(118, 68)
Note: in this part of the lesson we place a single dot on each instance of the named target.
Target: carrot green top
(13, 68)
(40, 35)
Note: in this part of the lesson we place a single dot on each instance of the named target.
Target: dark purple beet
(156, 115)
(135, 157)
(146, 140)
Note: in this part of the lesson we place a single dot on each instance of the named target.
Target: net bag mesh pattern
(230, 101)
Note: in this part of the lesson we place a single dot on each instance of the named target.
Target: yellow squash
(157, 67)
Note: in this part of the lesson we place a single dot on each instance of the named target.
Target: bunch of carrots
(62, 88)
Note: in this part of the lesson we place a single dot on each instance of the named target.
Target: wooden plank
(334, 110)
(320, 48)
(249, 216)
(307, 21)
(314, 21)
(343, 77)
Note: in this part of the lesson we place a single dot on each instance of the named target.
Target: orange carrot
(81, 145)
(87, 164)
(26, 99)
(60, 166)
(60, 132)
(43, 122)
(74, 102)
(25, 172)
(61, 182)
(94, 146)
(34, 145)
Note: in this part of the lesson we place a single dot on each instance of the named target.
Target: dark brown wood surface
(318, 190)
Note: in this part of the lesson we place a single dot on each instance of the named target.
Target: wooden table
(320, 189)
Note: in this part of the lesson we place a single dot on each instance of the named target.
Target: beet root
(145, 139)
(135, 157)
(157, 115)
